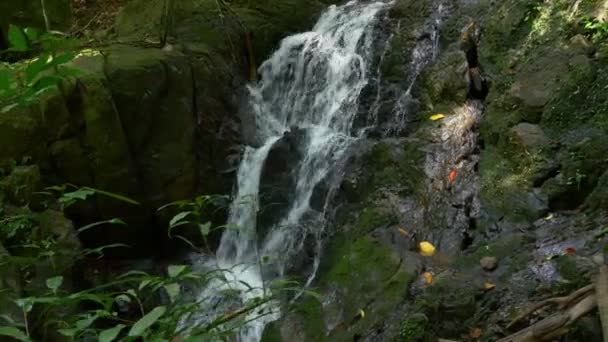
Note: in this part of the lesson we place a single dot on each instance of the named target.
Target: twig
(560, 302)
(601, 288)
(47, 23)
(554, 325)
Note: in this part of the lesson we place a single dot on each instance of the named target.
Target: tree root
(571, 308)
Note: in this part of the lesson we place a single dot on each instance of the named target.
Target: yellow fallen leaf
(361, 313)
(437, 117)
(489, 286)
(428, 277)
(404, 232)
(426, 248)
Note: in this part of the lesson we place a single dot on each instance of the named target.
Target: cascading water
(311, 83)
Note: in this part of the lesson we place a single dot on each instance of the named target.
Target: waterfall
(311, 84)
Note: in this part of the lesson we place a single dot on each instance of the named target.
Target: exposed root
(601, 288)
(555, 325)
(560, 302)
(571, 308)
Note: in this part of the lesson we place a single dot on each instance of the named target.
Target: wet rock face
(278, 180)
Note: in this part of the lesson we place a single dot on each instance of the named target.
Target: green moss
(361, 257)
(371, 218)
(509, 250)
(369, 276)
(414, 328)
(395, 167)
(311, 311)
(506, 182)
(450, 304)
(582, 99)
(272, 333)
(569, 270)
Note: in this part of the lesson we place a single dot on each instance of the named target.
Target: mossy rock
(19, 186)
(507, 181)
(368, 276)
(444, 82)
(509, 250)
(450, 304)
(414, 329)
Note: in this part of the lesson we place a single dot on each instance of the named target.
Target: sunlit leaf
(177, 219)
(109, 335)
(204, 228)
(140, 327)
(488, 285)
(173, 291)
(26, 304)
(175, 270)
(436, 117)
(426, 248)
(144, 283)
(54, 283)
(123, 298)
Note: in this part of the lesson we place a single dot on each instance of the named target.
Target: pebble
(488, 263)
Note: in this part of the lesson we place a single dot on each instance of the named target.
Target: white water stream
(312, 82)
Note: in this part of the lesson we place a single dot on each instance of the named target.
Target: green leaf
(36, 67)
(6, 77)
(32, 33)
(205, 228)
(175, 270)
(123, 298)
(14, 333)
(177, 219)
(26, 304)
(109, 335)
(17, 39)
(112, 195)
(117, 221)
(71, 332)
(54, 283)
(81, 194)
(144, 283)
(97, 224)
(173, 291)
(140, 327)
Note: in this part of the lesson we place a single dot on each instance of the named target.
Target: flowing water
(311, 83)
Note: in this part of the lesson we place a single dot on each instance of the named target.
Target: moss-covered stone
(507, 180)
(444, 82)
(414, 328)
(20, 185)
(510, 250)
(369, 276)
